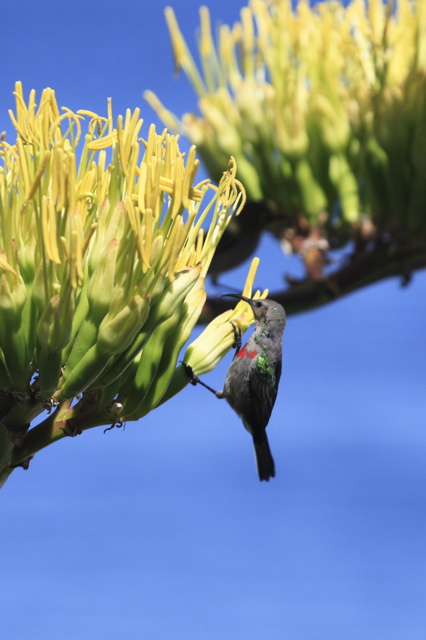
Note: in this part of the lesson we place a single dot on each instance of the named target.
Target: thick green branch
(64, 421)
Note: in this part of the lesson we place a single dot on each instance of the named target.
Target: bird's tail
(264, 460)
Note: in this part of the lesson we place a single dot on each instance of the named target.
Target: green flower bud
(54, 325)
(119, 328)
(101, 284)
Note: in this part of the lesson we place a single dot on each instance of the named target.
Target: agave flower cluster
(102, 266)
(323, 107)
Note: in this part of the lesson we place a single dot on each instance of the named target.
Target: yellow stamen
(6, 267)
(48, 221)
(91, 114)
(103, 143)
(38, 176)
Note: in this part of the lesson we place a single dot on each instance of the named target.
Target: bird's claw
(189, 372)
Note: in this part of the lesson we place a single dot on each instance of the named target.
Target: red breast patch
(243, 353)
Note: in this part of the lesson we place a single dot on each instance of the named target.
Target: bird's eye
(258, 304)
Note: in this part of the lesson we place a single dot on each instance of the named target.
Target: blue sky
(162, 530)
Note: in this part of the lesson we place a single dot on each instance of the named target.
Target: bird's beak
(238, 297)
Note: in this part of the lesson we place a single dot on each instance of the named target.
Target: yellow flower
(105, 241)
(322, 107)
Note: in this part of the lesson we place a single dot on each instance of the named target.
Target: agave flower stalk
(102, 265)
(324, 109)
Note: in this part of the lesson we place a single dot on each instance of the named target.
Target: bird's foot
(196, 380)
(237, 337)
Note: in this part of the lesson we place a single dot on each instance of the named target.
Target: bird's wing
(263, 394)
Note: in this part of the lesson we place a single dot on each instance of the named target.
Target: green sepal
(50, 370)
(346, 186)
(85, 373)
(148, 364)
